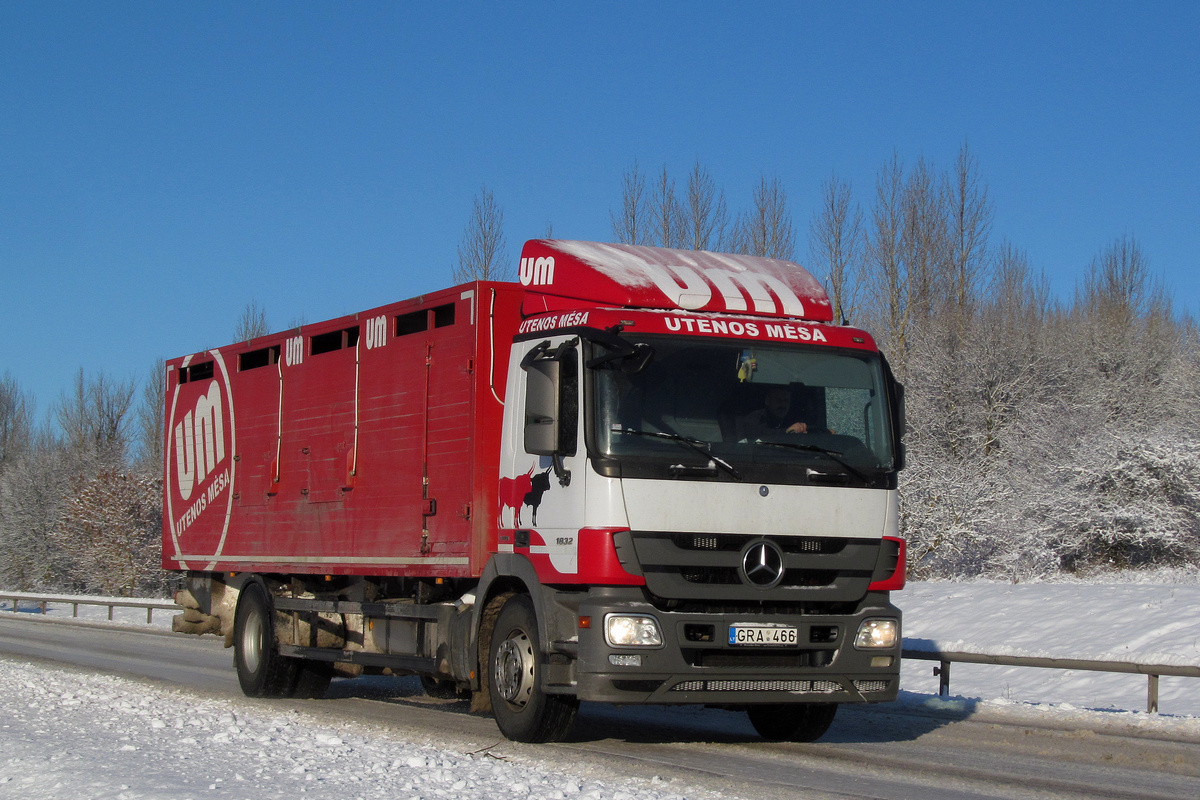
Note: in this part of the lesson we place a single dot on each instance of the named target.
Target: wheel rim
(252, 639)
(514, 668)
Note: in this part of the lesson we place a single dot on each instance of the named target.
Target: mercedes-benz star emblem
(762, 564)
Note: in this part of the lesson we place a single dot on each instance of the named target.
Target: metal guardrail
(1151, 671)
(41, 601)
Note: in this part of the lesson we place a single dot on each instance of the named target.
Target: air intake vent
(809, 687)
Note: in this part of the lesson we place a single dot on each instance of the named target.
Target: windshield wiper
(699, 445)
(835, 455)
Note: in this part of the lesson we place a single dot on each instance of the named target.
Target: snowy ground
(68, 734)
(1146, 623)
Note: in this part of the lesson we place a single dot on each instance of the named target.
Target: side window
(568, 427)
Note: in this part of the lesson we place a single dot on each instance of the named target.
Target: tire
(793, 722)
(262, 672)
(524, 713)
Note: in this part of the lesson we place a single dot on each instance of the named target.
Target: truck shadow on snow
(909, 718)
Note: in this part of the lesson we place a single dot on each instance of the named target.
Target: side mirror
(552, 403)
(542, 407)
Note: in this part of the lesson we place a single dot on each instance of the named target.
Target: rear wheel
(262, 672)
(799, 722)
(524, 712)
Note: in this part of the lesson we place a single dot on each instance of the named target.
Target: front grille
(734, 542)
(710, 575)
(753, 607)
(708, 567)
(818, 687)
(792, 578)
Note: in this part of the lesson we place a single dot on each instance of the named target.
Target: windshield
(728, 411)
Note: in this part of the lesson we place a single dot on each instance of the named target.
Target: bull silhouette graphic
(524, 490)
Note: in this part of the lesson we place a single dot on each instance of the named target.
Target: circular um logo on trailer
(762, 564)
(200, 467)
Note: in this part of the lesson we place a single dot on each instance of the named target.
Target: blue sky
(162, 164)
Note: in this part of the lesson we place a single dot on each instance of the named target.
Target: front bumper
(697, 665)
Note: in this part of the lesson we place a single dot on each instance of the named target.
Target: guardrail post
(149, 614)
(43, 608)
(943, 673)
(110, 613)
(74, 610)
(1152, 694)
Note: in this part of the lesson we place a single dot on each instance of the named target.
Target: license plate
(748, 633)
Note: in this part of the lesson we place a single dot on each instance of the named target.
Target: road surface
(870, 752)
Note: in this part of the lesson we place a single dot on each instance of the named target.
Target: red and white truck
(640, 475)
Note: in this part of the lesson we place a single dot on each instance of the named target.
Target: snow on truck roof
(635, 276)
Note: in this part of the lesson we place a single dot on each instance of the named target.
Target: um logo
(200, 441)
(689, 289)
(537, 271)
(201, 461)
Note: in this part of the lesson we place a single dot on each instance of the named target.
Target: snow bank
(1135, 622)
(67, 734)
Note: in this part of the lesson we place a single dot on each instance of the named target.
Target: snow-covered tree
(111, 533)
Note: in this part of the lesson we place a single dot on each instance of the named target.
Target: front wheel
(524, 713)
(261, 670)
(799, 722)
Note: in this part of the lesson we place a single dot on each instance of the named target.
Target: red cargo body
(364, 445)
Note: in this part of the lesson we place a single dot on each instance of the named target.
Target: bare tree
(925, 244)
(94, 417)
(252, 323)
(631, 225)
(766, 230)
(705, 215)
(666, 216)
(836, 244)
(16, 420)
(1118, 287)
(483, 251)
(32, 492)
(886, 280)
(1126, 331)
(971, 216)
(149, 421)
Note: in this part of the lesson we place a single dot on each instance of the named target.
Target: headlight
(625, 630)
(877, 634)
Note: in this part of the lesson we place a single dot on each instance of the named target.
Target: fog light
(625, 630)
(877, 633)
(881, 661)
(622, 660)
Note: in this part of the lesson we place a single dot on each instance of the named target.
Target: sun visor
(560, 274)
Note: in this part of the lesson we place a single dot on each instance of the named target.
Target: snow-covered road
(67, 733)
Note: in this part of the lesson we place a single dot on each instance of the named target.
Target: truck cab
(712, 515)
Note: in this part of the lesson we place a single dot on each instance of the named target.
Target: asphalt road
(870, 752)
